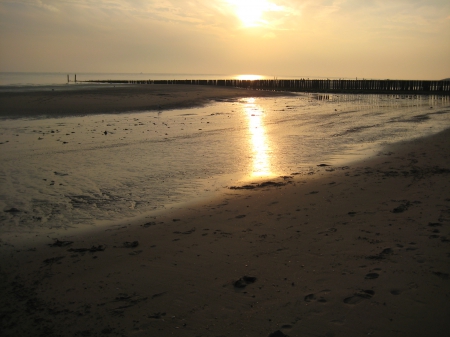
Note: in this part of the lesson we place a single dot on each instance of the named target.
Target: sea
(58, 78)
(93, 170)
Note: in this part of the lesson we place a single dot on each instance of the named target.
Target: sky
(380, 39)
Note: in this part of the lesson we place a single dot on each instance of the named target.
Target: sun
(251, 12)
(249, 77)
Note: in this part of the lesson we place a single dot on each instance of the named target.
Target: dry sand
(357, 250)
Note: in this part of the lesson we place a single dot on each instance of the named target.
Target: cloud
(208, 35)
(324, 18)
(46, 6)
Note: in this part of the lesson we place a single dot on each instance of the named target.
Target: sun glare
(249, 77)
(251, 12)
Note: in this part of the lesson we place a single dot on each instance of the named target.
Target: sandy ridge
(84, 100)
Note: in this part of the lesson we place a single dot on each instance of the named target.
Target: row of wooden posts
(307, 85)
(68, 78)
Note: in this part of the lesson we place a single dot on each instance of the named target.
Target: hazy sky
(404, 39)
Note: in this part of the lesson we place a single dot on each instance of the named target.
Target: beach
(339, 247)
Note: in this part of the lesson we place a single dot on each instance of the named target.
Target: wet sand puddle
(62, 172)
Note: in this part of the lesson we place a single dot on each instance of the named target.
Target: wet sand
(357, 250)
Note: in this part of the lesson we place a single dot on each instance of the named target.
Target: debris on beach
(52, 260)
(93, 249)
(401, 208)
(12, 210)
(264, 184)
(59, 243)
(131, 244)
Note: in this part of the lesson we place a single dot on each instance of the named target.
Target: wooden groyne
(307, 85)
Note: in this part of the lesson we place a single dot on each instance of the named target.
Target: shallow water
(60, 172)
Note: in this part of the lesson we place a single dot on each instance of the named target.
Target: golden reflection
(258, 141)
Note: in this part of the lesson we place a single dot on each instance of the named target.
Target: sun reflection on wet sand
(259, 145)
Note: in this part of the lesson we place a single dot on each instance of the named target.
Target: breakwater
(307, 85)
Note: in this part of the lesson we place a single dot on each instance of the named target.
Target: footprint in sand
(330, 230)
(316, 297)
(441, 275)
(278, 333)
(310, 297)
(395, 292)
(382, 255)
(371, 276)
(359, 297)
